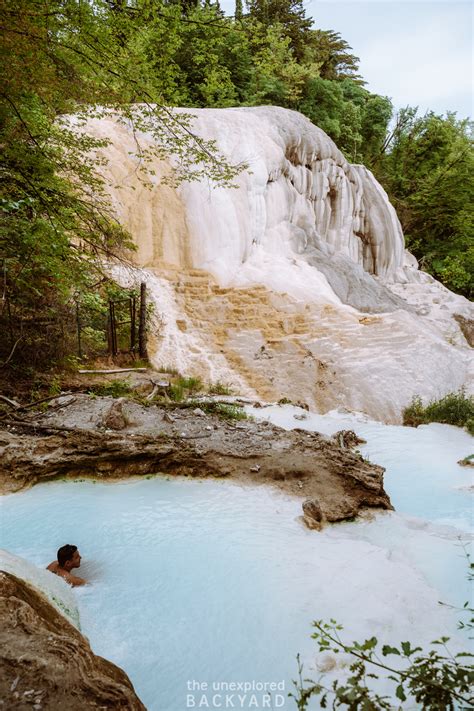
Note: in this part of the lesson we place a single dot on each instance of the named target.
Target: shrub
(436, 678)
(453, 409)
(414, 414)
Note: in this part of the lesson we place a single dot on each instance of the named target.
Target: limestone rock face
(297, 194)
(46, 663)
(267, 286)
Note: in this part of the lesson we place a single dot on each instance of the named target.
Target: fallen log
(113, 370)
(12, 403)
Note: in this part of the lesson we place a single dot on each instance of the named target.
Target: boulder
(115, 418)
(312, 513)
(347, 439)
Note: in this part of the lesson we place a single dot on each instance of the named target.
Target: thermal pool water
(212, 582)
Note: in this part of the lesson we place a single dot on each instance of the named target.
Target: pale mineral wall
(268, 285)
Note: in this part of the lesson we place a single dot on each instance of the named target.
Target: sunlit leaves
(433, 680)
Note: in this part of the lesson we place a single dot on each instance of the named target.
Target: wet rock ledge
(46, 663)
(102, 437)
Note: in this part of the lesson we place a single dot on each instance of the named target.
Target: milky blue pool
(211, 582)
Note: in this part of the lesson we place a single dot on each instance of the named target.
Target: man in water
(68, 558)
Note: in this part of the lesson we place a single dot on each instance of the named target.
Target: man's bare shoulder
(75, 580)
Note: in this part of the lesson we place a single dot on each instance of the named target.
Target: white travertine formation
(268, 285)
(54, 588)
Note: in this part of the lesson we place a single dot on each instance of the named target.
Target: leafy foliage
(428, 171)
(334, 56)
(437, 679)
(289, 15)
(137, 59)
(453, 409)
(354, 118)
(60, 58)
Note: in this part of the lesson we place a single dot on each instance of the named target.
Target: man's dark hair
(65, 553)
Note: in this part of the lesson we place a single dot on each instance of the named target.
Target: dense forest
(63, 57)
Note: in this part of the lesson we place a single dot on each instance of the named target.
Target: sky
(417, 52)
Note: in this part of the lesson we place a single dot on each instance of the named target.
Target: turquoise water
(422, 475)
(211, 582)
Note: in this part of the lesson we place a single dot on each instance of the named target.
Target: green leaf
(387, 649)
(400, 693)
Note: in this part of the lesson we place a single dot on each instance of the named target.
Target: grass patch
(219, 389)
(116, 388)
(169, 370)
(183, 388)
(192, 385)
(453, 409)
(230, 412)
(176, 393)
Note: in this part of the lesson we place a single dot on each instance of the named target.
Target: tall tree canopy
(290, 15)
(334, 55)
(428, 170)
(141, 57)
(62, 57)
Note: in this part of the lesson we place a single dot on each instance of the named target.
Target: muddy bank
(108, 438)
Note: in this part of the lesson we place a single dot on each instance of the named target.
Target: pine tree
(290, 14)
(334, 55)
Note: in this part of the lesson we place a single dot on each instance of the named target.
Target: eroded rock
(347, 439)
(264, 274)
(46, 663)
(467, 327)
(312, 513)
(115, 418)
(297, 462)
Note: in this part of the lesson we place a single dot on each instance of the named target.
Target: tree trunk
(142, 323)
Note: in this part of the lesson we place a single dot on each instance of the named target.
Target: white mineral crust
(296, 283)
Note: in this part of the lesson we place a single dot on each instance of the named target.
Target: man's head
(69, 557)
